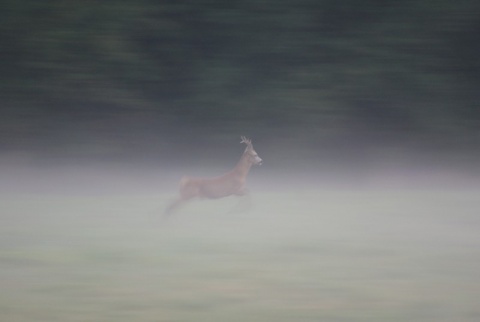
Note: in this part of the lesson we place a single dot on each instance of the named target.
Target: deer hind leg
(173, 205)
(187, 192)
(177, 202)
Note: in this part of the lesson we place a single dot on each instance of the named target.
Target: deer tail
(183, 181)
(179, 200)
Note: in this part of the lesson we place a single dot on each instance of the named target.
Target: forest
(115, 78)
(365, 114)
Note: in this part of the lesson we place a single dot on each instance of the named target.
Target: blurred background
(308, 80)
(365, 113)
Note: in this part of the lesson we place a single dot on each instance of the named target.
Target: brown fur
(231, 183)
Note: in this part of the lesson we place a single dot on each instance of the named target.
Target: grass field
(296, 255)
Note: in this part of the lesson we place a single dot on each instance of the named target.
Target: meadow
(297, 254)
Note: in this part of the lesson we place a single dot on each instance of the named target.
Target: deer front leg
(244, 202)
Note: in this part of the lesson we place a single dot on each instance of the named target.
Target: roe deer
(231, 183)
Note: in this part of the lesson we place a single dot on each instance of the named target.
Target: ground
(92, 246)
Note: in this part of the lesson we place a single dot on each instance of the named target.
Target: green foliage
(406, 67)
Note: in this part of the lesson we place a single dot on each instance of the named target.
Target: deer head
(250, 152)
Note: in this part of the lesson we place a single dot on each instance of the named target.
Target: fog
(365, 115)
(382, 241)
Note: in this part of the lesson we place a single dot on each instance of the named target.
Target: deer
(231, 183)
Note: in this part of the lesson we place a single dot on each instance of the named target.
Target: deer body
(231, 183)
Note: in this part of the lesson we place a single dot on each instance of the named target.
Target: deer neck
(243, 166)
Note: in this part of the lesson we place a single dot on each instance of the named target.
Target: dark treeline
(110, 77)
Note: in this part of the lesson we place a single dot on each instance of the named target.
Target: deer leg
(173, 205)
(187, 191)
